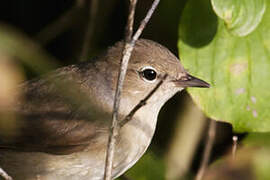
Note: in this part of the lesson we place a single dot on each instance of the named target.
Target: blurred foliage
(19, 46)
(150, 167)
(240, 17)
(252, 161)
(10, 76)
(238, 68)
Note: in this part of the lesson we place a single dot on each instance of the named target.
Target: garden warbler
(64, 117)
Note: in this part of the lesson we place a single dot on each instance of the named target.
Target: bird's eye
(149, 74)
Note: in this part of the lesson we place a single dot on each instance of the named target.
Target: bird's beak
(191, 81)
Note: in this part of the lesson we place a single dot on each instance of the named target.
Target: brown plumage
(64, 116)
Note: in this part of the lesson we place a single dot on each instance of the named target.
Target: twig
(141, 103)
(207, 149)
(130, 22)
(122, 72)
(58, 26)
(234, 148)
(146, 19)
(89, 29)
(4, 174)
(114, 125)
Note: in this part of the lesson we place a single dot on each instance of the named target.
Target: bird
(64, 116)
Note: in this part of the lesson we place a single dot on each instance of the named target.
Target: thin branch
(58, 26)
(89, 30)
(142, 102)
(234, 148)
(114, 125)
(4, 174)
(207, 149)
(130, 22)
(146, 19)
(122, 72)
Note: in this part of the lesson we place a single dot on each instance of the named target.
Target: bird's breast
(133, 141)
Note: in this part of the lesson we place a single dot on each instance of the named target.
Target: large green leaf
(238, 68)
(241, 17)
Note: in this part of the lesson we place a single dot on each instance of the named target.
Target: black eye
(149, 74)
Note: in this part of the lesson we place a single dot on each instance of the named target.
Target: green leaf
(149, 167)
(238, 68)
(241, 17)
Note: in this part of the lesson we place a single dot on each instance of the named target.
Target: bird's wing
(55, 115)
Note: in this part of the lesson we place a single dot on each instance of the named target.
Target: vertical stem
(146, 19)
(234, 148)
(207, 149)
(114, 127)
(130, 22)
(122, 72)
(121, 76)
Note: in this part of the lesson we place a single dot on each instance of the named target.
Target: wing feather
(55, 115)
